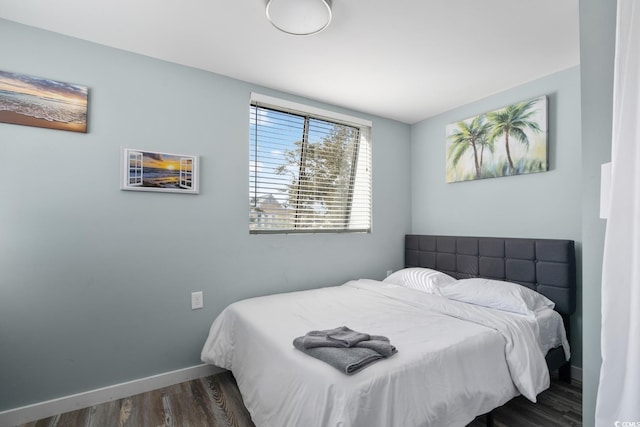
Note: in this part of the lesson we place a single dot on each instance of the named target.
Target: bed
(547, 266)
(455, 360)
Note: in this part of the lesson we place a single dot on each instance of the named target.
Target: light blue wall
(543, 205)
(597, 48)
(95, 282)
(93, 290)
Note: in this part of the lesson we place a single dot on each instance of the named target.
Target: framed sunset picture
(505, 142)
(41, 102)
(156, 171)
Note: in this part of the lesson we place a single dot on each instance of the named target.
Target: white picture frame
(144, 170)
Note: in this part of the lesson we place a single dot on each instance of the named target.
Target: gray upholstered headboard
(545, 265)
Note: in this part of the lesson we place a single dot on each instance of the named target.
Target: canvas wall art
(156, 171)
(505, 142)
(36, 101)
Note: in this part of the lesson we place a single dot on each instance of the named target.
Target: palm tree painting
(505, 142)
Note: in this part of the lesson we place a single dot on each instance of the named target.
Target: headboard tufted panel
(545, 265)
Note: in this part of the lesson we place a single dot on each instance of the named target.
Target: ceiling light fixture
(299, 17)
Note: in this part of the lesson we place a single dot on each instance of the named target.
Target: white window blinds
(309, 172)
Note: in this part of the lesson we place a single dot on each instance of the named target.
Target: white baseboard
(36, 411)
(576, 373)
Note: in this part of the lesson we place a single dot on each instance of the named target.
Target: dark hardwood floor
(560, 405)
(216, 402)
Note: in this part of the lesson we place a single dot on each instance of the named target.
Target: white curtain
(619, 391)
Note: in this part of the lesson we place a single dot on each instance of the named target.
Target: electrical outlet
(197, 300)
(389, 272)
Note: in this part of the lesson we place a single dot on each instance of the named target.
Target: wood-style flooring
(215, 401)
(558, 406)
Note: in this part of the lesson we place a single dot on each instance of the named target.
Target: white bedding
(552, 333)
(446, 372)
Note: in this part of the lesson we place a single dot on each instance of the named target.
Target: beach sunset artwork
(155, 171)
(40, 102)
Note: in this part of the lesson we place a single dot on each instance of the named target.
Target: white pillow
(505, 296)
(422, 279)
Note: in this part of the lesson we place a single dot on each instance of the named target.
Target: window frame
(363, 128)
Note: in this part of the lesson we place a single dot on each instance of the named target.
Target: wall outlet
(197, 300)
(389, 272)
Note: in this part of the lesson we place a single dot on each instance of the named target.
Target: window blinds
(308, 173)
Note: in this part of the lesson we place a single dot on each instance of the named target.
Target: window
(186, 173)
(310, 170)
(135, 168)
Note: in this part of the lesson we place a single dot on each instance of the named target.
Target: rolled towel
(380, 344)
(313, 341)
(342, 335)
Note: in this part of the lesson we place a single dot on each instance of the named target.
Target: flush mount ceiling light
(299, 17)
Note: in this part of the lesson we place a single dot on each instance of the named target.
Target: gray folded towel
(376, 342)
(347, 360)
(345, 349)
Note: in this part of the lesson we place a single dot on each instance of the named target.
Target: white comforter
(446, 372)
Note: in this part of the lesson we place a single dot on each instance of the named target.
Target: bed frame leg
(490, 419)
(564, 373)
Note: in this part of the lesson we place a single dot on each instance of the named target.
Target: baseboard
(29, 413)
(576, 373)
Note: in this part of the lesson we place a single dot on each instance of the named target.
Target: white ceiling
(401, 59)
